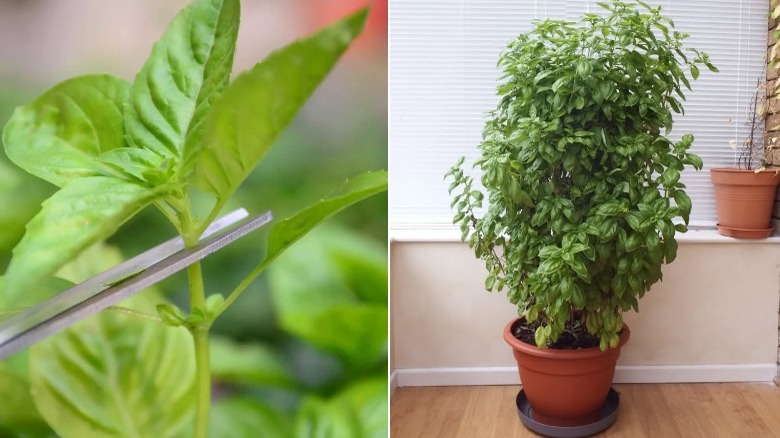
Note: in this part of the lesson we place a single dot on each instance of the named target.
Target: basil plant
(580, 183)
(182, 131)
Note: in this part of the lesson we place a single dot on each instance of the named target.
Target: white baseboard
(696, 373)
(623, 374)
(457, 376)
(393, 382)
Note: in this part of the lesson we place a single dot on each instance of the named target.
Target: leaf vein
(156, 133)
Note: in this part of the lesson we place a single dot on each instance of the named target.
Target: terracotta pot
(744, 201)
(565, 387)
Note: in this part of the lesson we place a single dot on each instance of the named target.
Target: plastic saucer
(607, 417)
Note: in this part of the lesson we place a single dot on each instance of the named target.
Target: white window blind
(443, 76)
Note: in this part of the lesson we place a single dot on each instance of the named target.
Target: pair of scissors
(114, 285)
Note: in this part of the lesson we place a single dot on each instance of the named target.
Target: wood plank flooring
(711, 410)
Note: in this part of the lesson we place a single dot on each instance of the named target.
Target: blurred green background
(320, 313)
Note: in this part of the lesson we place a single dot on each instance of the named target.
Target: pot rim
(732, 177)
(738, 170)
(582, 353)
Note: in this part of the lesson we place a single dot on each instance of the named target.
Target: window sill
(431, 234)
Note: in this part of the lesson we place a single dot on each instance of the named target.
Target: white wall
(713, 318)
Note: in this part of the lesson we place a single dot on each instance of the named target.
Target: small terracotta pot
(744, 201)
(565, 387)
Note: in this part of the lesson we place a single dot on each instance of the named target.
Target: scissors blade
(112, 286)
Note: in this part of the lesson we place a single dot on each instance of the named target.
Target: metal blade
(112, 286)
(104, 280)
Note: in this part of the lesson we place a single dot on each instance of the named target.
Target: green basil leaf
(584, 68)
(540, 338)
(634, 221)
(608, 229)
(141, 165)
(19, 412)
(186, 70)
(676, 107)
(685, 81)
(57, 137)
(170, 314)
(248, 364)
(635, 283)
(355, 333)
(560, 83)
(694, 72)
(542, 75)
(579, 102)
(624, 265)
(360, 411)
(684, 202)
(579, 247)
(46, 288)
(670, 177)
(319, 419)
(90, 262)
(83, 212)
(12, 220)
(490, 282)
(213, 302)
(652, 242)
(633, 242)
(581, 270)
(362, 264)
(694, 160)
(315, 303)
(288, 231)
(114, 375)
(246, 120)
(549, 251)
(246, 417)
(609, 208)
(670, 250)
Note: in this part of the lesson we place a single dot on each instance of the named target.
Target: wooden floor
(750, 410)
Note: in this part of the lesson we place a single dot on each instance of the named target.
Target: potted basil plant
(582, 193)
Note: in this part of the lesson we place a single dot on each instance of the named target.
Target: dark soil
(574, 336)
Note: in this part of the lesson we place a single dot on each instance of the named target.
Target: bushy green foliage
(582, 187)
